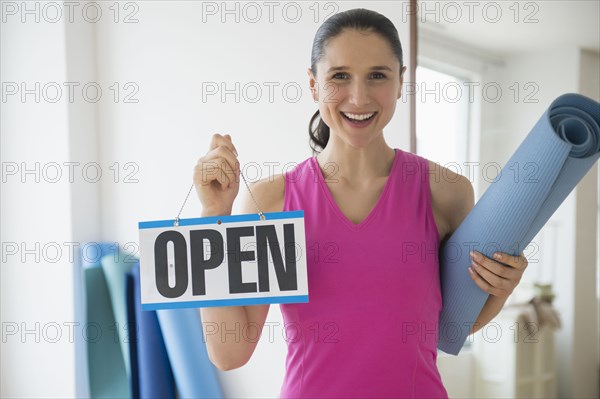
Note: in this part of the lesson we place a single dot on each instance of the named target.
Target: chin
(357, 140)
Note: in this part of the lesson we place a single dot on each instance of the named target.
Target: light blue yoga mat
(195, 375)
(91, 252)
(560, 149)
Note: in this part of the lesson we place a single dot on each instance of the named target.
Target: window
(442, 114)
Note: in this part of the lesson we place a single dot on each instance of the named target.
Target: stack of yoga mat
(133, 353)
(557, 153)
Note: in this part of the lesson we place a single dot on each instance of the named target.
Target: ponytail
(319, 136)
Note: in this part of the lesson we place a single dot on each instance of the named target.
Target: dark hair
(360, 19)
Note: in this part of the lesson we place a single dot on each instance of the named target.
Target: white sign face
(223, 261)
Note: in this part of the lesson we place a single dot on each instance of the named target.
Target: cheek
(385, 97)
(331, 95)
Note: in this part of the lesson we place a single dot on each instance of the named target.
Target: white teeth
(358, 117)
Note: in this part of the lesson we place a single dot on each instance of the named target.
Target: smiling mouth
(358, 117)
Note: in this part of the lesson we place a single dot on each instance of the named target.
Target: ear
(402, 73)
(313, 85)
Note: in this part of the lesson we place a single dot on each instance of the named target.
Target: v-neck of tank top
(386, 188)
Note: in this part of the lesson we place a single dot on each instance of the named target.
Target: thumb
(228, 137)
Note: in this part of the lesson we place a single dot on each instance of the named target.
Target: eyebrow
(374, 68)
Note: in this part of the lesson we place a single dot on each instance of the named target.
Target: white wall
(36, 293)
(50, 217)
(146, 149)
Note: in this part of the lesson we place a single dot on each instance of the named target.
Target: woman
(376, 215)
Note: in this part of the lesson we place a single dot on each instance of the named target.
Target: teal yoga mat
(560, 149)
(107, 373)
(115, 267)
(195, 375)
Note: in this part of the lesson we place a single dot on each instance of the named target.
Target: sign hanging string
(260, 213)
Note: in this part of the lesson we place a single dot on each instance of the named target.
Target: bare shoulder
(268, 192)
(452, 197)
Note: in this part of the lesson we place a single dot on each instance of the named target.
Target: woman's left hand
(495, 278)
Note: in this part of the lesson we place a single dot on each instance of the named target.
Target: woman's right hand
(217, 177)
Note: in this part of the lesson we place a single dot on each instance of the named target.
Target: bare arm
(228, 348)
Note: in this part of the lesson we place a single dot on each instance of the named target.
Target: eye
(340, 75)
(378, 75)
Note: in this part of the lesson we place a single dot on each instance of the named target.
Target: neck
(356, 164)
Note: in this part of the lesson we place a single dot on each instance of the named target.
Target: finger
(522, 261)
(227, 173)
(218, 140)
(226, 154)
(209, 172)
(493, 266)
(223, 180)
(517, 262)
(219, 179)
(232, 163)
(228, 137)
(219, 168)
(491, 278)
(481, 283)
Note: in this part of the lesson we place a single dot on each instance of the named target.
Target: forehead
(357, 49)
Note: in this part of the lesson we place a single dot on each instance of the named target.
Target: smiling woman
(370, 326)
(352, 87)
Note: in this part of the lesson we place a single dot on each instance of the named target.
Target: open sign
(223, 261)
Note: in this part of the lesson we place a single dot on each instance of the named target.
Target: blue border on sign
(224, 219)
(226, 302)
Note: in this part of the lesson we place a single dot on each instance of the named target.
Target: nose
(359, 94)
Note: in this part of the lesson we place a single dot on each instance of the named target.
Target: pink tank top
(370, 327)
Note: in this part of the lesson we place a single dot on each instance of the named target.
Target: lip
(361, 124)
(359, 113)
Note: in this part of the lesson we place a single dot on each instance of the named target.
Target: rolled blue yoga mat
(195, 375)
(105, 368)
(557, 153)
(151, 370)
